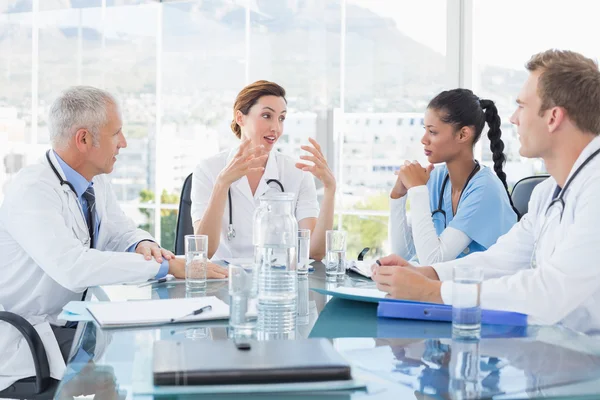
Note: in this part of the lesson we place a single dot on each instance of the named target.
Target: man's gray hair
(79, 107)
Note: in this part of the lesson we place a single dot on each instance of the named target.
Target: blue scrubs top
(484, 212)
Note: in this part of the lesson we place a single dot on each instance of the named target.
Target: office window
(176, 68)
(395, 63)
(500, 54)
(296, 44)
(15, 97)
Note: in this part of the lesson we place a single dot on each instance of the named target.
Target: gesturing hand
(320, 170)
(247, 159)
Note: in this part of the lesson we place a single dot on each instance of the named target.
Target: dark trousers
(64, 337)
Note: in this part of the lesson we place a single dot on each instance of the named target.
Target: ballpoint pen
(195, 312)
(161, 280)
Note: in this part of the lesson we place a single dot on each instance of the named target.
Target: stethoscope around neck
(230, 228)
(560, 198)
(65, 182)
(439, 208)
(557, 199)
(58, 175)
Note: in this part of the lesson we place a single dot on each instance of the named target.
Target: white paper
(153, 312)
(75, 311)
(359, 292)
(241, 262)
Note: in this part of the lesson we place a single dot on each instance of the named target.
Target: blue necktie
(90, 197)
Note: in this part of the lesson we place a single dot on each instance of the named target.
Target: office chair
(184, 217)
(522, 192)
(40, 386)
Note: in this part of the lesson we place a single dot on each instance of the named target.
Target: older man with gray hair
(61, 229)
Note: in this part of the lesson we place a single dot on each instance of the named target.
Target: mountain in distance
(293, 42)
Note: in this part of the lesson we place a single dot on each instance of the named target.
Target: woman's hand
(320, 170)
(247, 159)
(399, 190)
(213, 271)
(413, 174)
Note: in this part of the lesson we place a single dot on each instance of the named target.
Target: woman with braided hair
(460, 207)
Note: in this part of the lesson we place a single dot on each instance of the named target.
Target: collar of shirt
(75, 178)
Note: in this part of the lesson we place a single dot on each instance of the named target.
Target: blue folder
(443, 312)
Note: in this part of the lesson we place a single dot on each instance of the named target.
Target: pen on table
(161, 280)
(195, 312)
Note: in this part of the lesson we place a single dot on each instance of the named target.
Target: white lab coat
(280, 167)
(565, 285)
(44, 241)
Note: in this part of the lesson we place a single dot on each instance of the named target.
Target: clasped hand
(410, 175)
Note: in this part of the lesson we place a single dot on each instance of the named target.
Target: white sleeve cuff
(444, 271)
(398, 203)
(307, 213)
(446, 292)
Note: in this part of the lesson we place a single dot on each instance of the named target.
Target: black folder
(223, 362)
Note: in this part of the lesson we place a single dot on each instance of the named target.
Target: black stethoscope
(560, 198)
(557, 199)
(59, 176)
(230, 229)
(64, 182)
(441, 199)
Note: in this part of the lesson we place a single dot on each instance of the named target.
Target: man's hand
(396, 260)
(392, 259)
(213, 271)
(407, 283)
(150, 249)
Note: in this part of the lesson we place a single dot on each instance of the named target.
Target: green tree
(168, 218)
(367, 231)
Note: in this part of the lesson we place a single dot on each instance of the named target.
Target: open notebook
(360, 267)
(155, 312)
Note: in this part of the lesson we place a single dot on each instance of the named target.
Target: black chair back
(522, 192)
(184, 217)
(40, 386)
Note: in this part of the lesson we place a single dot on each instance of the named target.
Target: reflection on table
(396, 358)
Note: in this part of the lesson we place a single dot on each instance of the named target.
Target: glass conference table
(396, 359)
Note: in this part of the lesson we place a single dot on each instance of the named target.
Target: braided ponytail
(496, 144)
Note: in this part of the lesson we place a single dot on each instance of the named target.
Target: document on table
(156, 312)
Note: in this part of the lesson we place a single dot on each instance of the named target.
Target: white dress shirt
(279, 167)
(563, 285)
